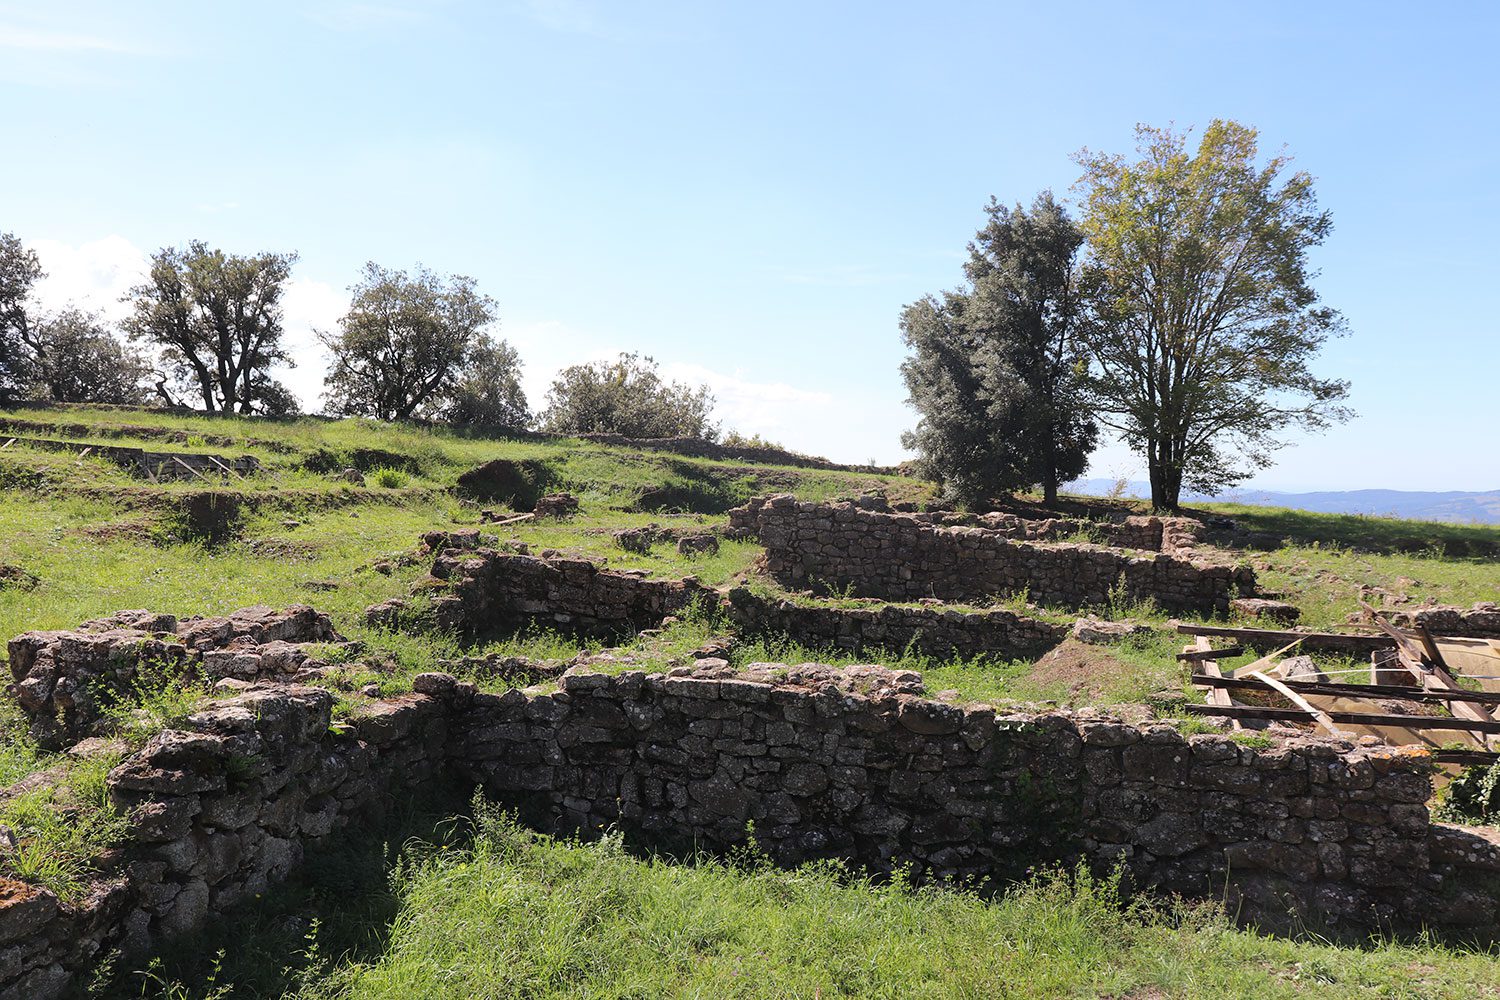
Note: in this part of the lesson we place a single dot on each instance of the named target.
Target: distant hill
(1463, 508)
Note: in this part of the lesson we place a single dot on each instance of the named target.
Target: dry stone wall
(220, 810)
(858, 766)
(936, 631)
(850, 763)
(901, 557)
(1482, 621)
(62, 678)
(488, 589)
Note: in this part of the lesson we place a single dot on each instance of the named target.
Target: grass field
(480, 907)
(488, 909)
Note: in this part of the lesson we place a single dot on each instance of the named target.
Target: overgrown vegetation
(511, 913)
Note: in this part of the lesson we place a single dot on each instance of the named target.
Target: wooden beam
(1193, 653)
(1264, 661)
(1356, 690)
(1210, 668)
(188, 467)
(1351, 718)
(1321, 716)
(1260, 638)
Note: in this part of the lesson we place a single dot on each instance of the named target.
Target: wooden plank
(1264, 661)
(1260, 638)
(7, 444)
(1193, 653)
(1210, 668)
(1301, 702)
(1356, 690)
(233, 472)
(188, 467)
(1352, 718)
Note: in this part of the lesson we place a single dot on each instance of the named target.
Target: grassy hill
(486, 909)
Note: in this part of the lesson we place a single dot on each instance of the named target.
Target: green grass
(60, 828)
(516, 914)
(1367, 533)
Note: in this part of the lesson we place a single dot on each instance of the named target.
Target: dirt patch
(281, 548)
(135, 530)
(1083, 671)
(16, 578)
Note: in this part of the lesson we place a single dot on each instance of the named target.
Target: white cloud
(94, 276)
(777, 411)
(571, 16)
(35, 40)
(309, 306)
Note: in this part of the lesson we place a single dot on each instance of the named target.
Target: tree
(402, 348)
(1206, 320)
(217, 318)
(489, 393)
(77, 360)
(996, 369)
(627, 396)
(19, 270)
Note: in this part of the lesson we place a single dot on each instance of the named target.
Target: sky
(750, 193)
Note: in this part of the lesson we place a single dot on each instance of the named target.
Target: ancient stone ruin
(854, 763)
(907, 556)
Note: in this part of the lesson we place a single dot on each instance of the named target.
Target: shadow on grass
(339, 904)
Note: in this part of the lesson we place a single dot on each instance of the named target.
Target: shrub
(388, 478)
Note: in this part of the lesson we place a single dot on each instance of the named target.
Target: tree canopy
(1205, 321)
(627, 396)
(77, 360)
(415, 345)
(19, 271)
(217, 319)
(995, 368)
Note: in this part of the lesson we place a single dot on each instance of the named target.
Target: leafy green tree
(1205, 318)
(217, 319)
(489, 392)
(627, 396)
(19, 270)
(77, 360)
(995, 369)
(404, 346)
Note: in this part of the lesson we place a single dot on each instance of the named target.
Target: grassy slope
(768, 933)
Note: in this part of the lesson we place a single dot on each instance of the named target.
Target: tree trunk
(1166, 476)
(1049, 489)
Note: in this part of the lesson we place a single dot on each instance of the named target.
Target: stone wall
(221, 809)
(1482, 621)
(855, 765)
(488, 589)
(61, 677)
(901, 557)
(850, 763)
(936, 631)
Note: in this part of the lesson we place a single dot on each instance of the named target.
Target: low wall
(488, 589)
(935, 631)
(901, 557)
(848, 763)
(221, 810)
(62, 677)
(1482, 621)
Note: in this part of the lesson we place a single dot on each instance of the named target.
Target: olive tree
(1205, 320)
(627, 396)
(19, 271)
(415, 345)
(217, 320)
(77, 360)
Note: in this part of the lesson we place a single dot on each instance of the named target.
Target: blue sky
(750, 192)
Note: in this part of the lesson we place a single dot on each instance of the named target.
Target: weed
(389, 478)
